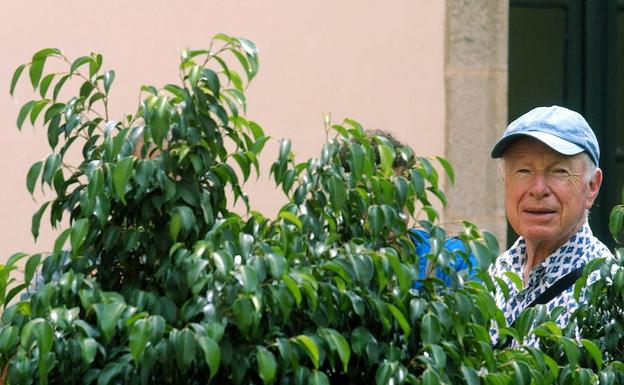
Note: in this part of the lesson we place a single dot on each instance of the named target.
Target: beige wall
(381, 63)
(476, 113)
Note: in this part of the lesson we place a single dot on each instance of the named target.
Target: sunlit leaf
(267, 365)
(339, 344)
(310, 348)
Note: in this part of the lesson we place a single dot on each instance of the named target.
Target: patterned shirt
(576, 252)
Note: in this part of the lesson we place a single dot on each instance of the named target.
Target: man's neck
(538, 251)
(534, 258)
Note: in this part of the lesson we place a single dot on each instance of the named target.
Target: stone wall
(476, 109)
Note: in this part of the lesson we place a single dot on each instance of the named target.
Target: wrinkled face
(546, 193)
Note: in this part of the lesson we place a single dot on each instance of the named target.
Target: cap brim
(556, 143)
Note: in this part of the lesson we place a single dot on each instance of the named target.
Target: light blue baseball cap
(561, 129)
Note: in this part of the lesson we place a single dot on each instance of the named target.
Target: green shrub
(156, 280)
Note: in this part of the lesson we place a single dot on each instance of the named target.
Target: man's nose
(539, 186)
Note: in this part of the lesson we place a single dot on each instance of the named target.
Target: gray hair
(590, 166)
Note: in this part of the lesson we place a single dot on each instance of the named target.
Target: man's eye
(523, 171)
(561, 171)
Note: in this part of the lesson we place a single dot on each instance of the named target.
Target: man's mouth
(540, 211)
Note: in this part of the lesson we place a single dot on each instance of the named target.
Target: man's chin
(539, 233)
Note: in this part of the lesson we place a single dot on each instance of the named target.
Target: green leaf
(36, 110)
(31, 267)
(438, 355)
(616, 221)
(79, 62)
(310, 348)
(522, 375)
(243, 163)
(448, 168)
(571, 350)
(36, 69)
(88, 350)
(375, 219)
(8, 337)
(244, 314)
(284, 149)
(400, 318)
(293, 287)
(418, 183)
(244, 63)
(338, 343)
(248, 46)
(337, 193)
(185, 348)
(248, 278)
(277, 264)
(121, 177)
(13, 292)
(384, 373)
(44, 53)
(59, 86)
(212, 354)
(594, 352)
(50, 167)
(107, 317)
(94, 98)
(45, 336)
(109, 77)
(429, 377)
(318, 378)
(60, 242)
(267, 365)
(140, 333)
(27, 335)
(13, 259)
(32, 176)
(95, 64)
(16, 76)
(471, 376)
(23, 113)
(212, 81)
(45, 84)
(291, 217)
(386, 158)
(430, 329)
(160, 120)
(175, 225)
(79, 231)
(109, 372)
(223, 262)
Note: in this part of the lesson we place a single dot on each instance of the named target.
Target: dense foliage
(157, 280)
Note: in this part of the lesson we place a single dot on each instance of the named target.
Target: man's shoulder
(597, 249)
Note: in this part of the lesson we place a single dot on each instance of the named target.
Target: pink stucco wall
(381, 63)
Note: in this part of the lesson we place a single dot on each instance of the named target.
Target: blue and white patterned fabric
(578, 251)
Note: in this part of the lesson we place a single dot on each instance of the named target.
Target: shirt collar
(569, 253)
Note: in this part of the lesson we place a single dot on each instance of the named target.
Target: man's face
(546, 193)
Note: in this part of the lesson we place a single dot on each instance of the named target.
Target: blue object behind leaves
(452, 244)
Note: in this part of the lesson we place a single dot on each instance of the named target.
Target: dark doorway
(571, 53)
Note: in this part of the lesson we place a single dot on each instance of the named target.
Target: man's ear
(594, 187)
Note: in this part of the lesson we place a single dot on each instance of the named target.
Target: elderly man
(550, 169)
